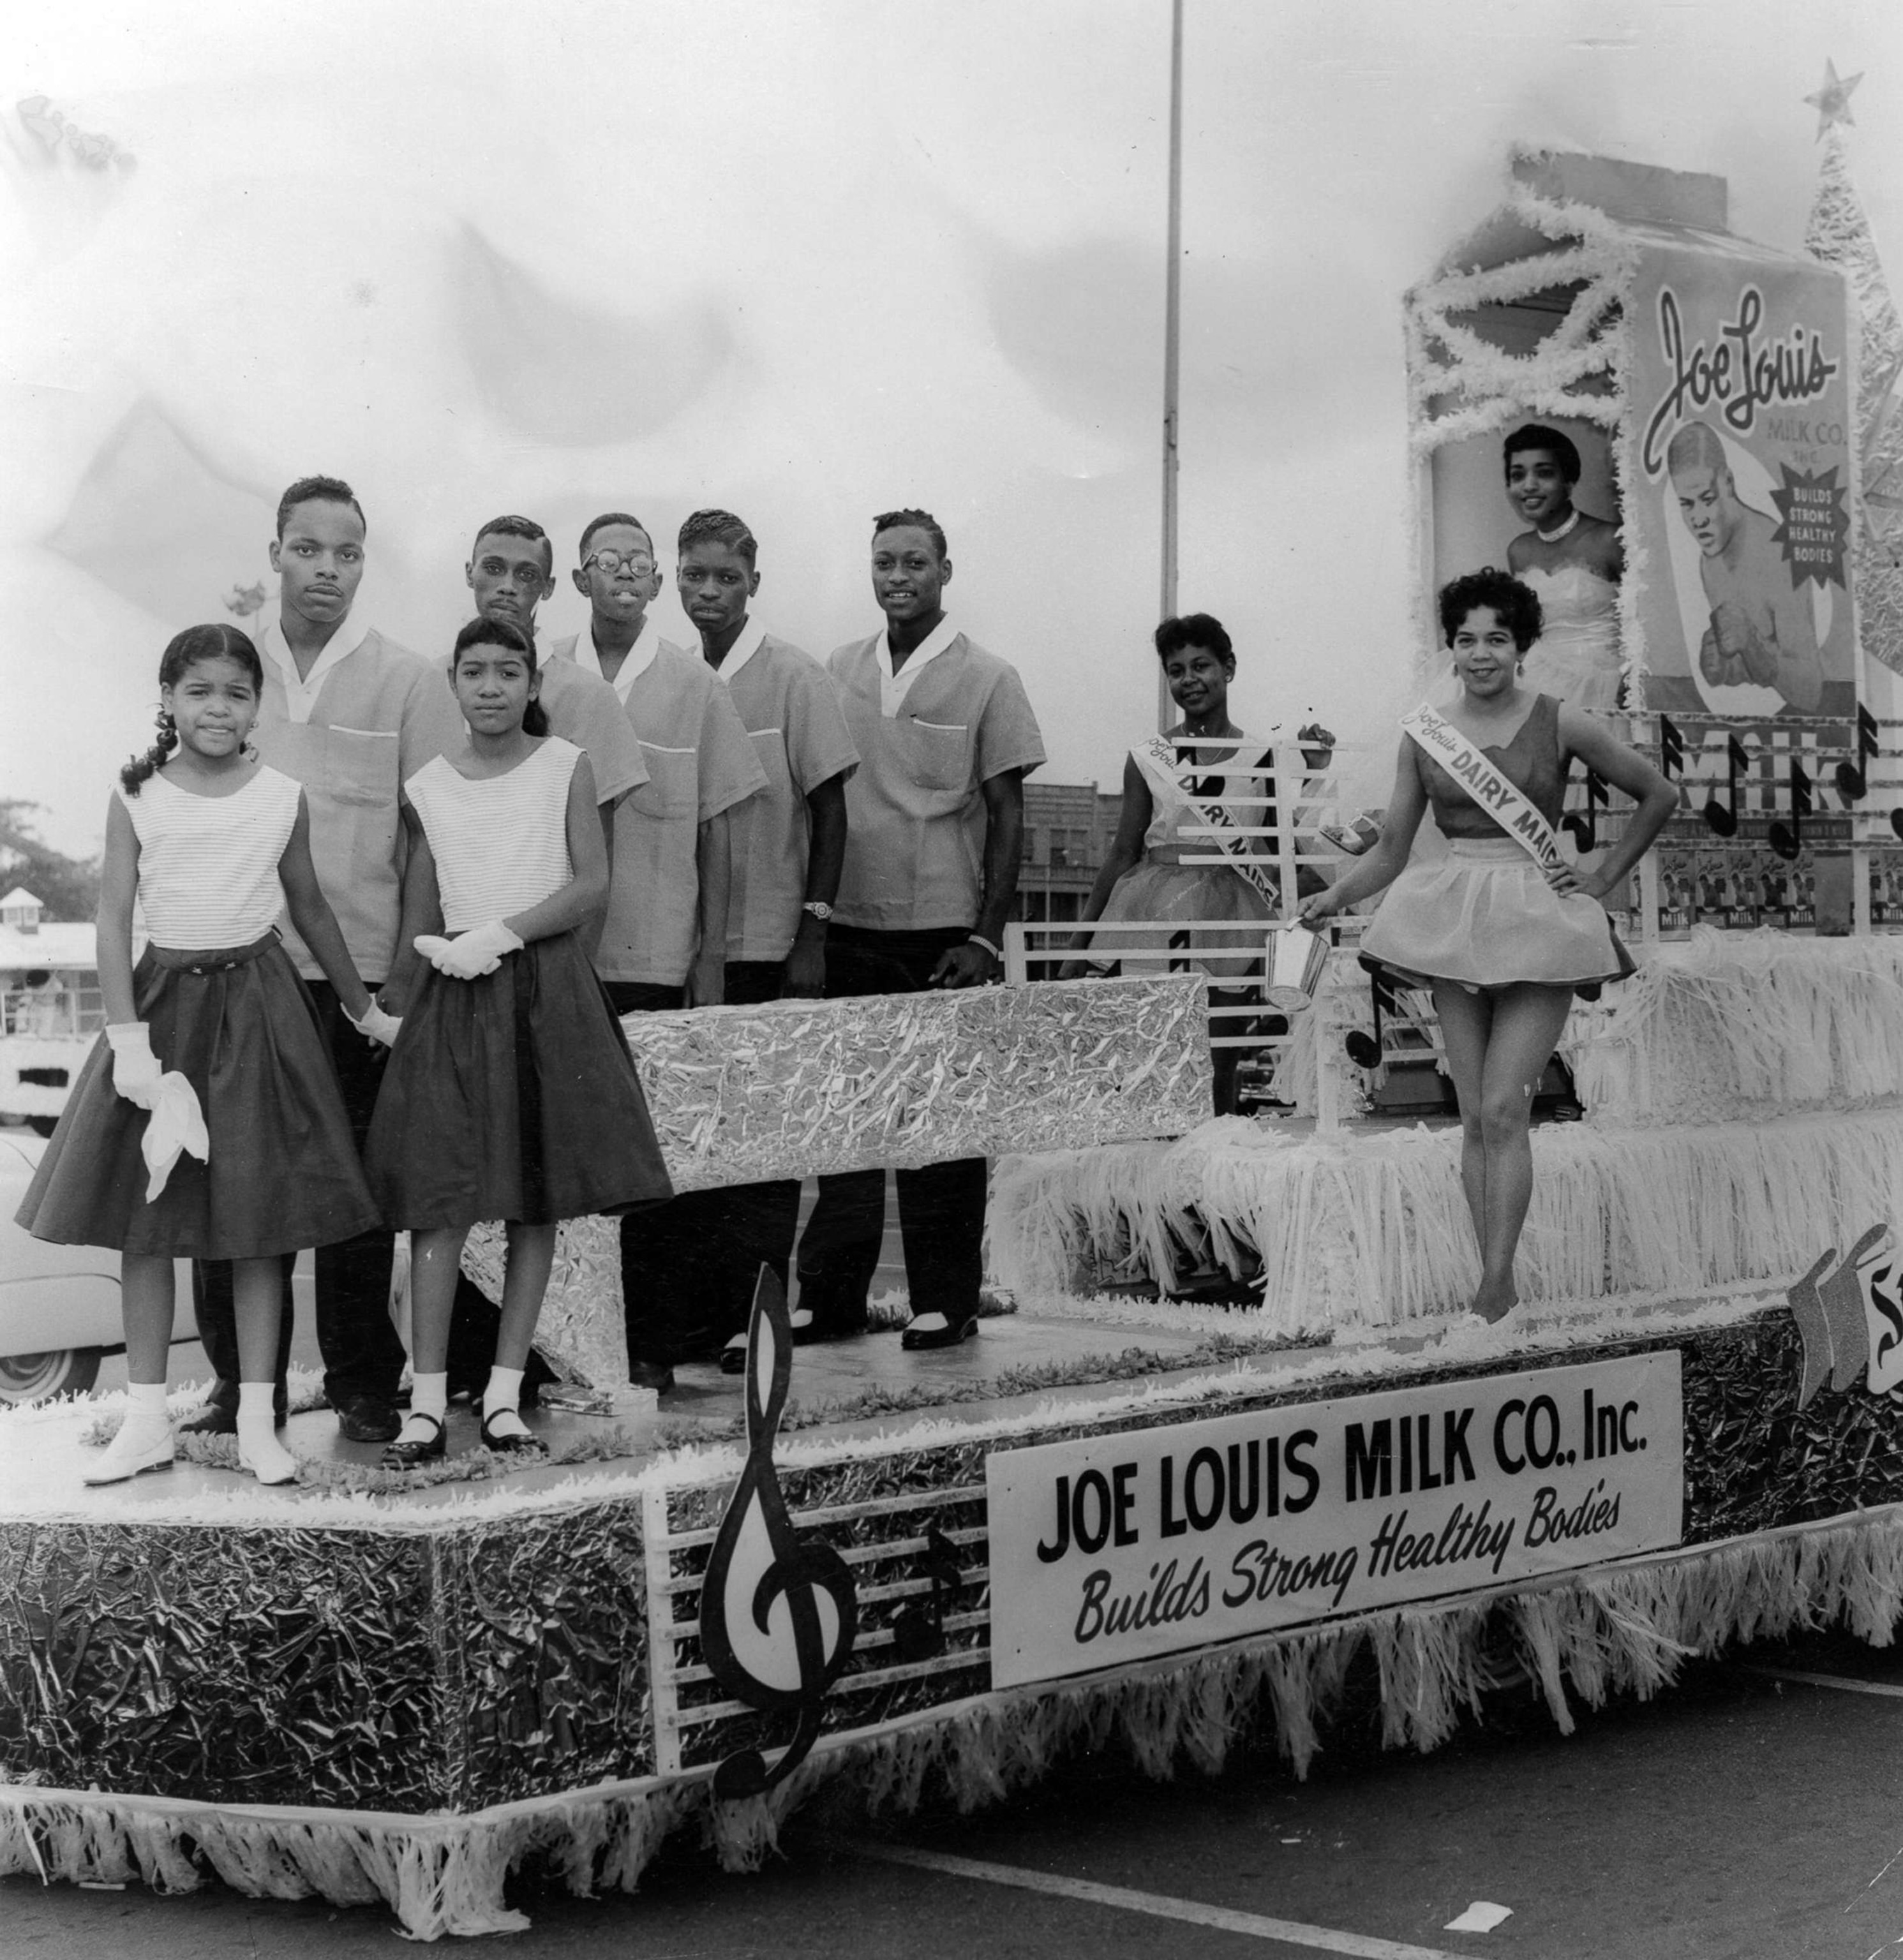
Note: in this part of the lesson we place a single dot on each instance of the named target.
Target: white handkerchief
(177, 1124)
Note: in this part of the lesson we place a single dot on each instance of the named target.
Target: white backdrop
(808, 261)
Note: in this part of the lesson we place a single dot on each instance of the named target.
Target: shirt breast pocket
(673, 788)
(361, 766)
(938, 754)
(769, 750)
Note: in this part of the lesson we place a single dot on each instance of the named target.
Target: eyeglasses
(611, 561)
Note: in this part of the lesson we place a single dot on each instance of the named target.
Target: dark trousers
(941, 1207)
(362, 1355)
(688, 1267)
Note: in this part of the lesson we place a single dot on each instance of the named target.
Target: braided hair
(184, 652)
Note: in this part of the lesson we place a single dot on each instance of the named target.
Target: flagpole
(1171, 345)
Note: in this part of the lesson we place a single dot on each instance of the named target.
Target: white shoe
(269, 1462)
(142, 1444)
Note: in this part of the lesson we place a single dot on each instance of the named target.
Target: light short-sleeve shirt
(700, 762)
(583, 709)
(352, 736)
(929, 738)
(792, 714)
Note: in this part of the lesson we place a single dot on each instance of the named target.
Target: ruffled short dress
(512, 1096)
(1485, 915)
(1204, 896)
(240, 1026)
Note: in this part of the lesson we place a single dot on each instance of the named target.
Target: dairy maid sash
(1498, 797)
(1156, 758)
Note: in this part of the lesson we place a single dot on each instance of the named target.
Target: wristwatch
(818, 908)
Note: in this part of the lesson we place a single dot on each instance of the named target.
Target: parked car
(59, 1304)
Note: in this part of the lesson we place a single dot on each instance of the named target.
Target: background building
(1068, 828)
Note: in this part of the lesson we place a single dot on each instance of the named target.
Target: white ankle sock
(429, 1395)
(259, 1449)
(502, 1402)
(144, 1438)
(504, 1391)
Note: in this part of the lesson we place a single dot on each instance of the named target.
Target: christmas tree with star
(1838, 233)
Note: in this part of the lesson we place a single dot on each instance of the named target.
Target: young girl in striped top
(510, 1093)
(212, 844)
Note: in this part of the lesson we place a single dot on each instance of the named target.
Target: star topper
(1832, 102)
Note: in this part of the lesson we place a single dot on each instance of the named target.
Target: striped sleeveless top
(500, 843)
(208, 866)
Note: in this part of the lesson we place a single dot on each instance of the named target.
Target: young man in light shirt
(664, 940)
(510, 571)
(352, 715)
(945, 736)
(703, 1249)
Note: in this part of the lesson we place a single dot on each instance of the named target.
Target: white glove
(473, 953)
(135, 1069)
(377, 1025)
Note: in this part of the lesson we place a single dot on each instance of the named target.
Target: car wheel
(43, 1126)
(59, 1371)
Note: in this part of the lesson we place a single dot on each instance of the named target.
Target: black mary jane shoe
(916, 1337)
(400, 1456)
(511, 1445)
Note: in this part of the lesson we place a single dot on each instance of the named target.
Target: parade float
(1188, 1526)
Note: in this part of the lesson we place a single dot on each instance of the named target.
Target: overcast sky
(808, 259)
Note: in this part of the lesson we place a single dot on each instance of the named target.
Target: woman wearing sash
(1502, 928)
(1175, 793)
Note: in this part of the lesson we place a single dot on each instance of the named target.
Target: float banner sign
(1118, 1547)
(1737, 482)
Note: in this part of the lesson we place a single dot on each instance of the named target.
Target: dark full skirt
(512, 1097)
(283, 1174)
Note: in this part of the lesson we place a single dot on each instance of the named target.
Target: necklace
(1554, 537)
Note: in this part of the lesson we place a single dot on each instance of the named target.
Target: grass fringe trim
(1620, 1629)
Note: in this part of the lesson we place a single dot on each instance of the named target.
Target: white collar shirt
(635, 663)
(300, 694)
(752, 637)
(894, 687)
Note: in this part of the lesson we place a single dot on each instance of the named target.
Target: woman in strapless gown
(1576, 657)
(1572, 561)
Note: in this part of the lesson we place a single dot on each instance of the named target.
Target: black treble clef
(778, 1612)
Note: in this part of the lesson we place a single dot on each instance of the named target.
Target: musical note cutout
(1788, 839)
(1723, 817)
(1850, 1319)
(1582, 825)
(1671, 749)
(1364, 1049)
(1853, 777)
(778, 1612)
(918, 1633)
